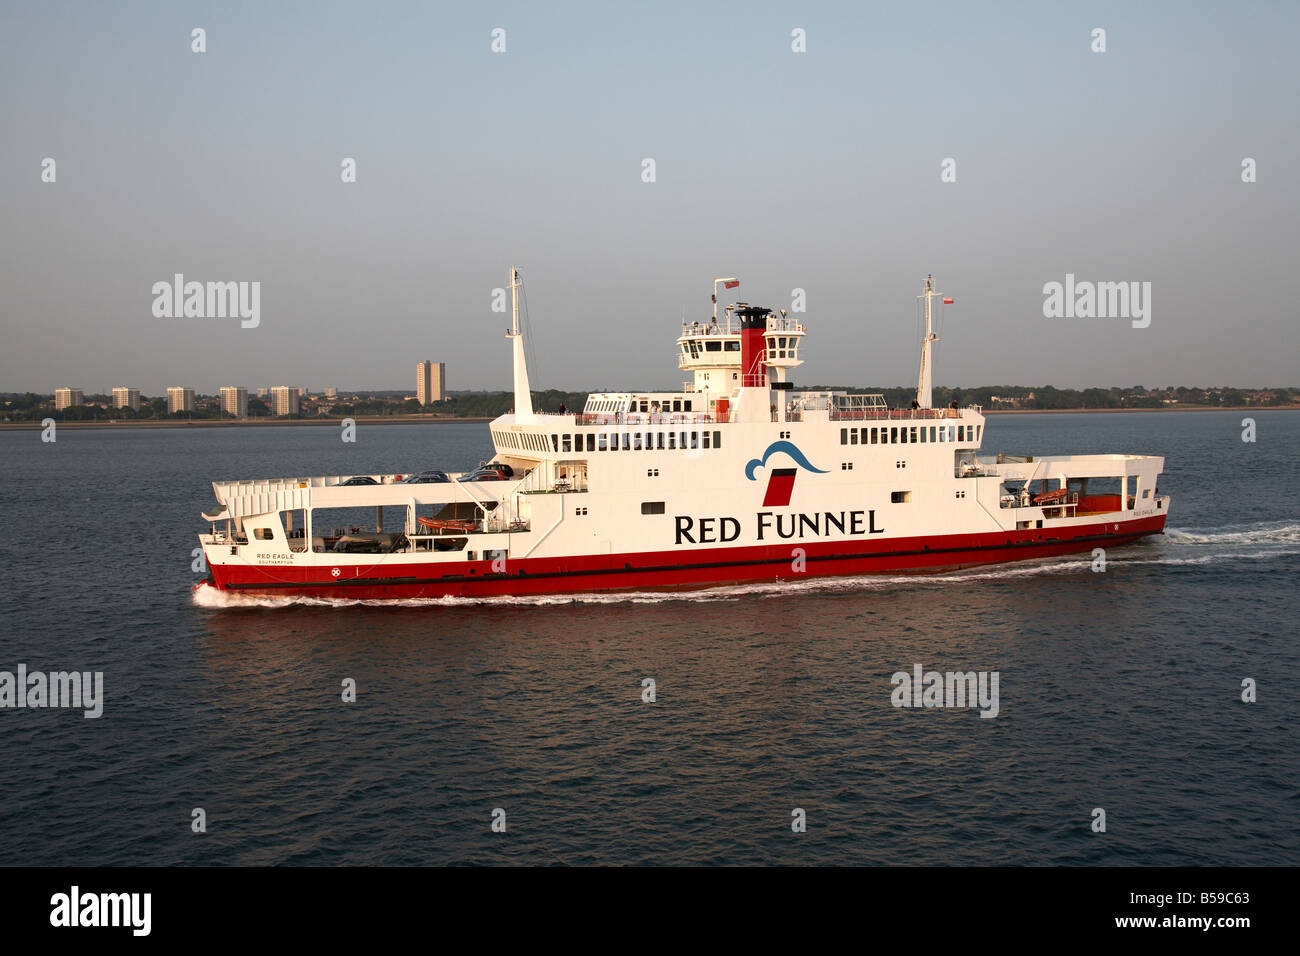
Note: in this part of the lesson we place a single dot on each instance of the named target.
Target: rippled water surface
(1119, 690)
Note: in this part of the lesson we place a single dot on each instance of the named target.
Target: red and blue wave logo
(780, 482)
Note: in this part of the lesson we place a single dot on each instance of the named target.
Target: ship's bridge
(711, 350)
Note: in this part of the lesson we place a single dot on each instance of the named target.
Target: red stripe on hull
(697, 568)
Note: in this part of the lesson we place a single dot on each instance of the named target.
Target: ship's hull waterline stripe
(525, 575)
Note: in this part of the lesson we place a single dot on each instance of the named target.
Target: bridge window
(713, 346)
(931, 434)
(566, 444)
(717, 439)
(733, 346)
(853, 436)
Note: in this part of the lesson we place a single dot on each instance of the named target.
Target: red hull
(680, 569)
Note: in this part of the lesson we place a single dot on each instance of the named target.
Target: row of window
(609, 441)
(693, 347)
(903, 434)
(606, 406)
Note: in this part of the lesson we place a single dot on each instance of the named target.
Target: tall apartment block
(180, 399)
(234, 400)
(431, 382)
(67, 397)
(284, 400)
(124, 397)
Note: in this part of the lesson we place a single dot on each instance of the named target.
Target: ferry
(738, 477)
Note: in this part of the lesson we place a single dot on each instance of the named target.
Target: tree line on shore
(29, 406)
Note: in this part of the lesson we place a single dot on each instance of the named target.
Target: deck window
(652, 507)
(717, 439)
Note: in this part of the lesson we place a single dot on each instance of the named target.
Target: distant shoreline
(253, 422)
(429, 420)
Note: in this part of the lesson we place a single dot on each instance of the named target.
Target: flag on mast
(731, 285)
(947, 301)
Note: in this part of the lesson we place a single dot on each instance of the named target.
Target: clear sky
(817, 170)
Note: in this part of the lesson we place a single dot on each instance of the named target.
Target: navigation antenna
(523, 394)
(925, 381)
(731, 283)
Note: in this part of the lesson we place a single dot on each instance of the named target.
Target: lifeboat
(448, 524)
(1051, 497)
